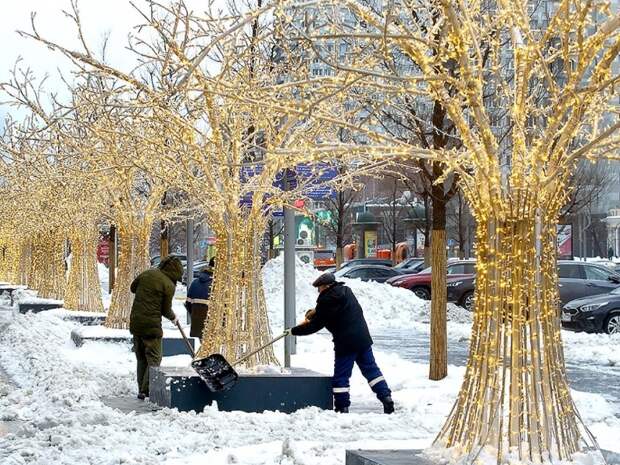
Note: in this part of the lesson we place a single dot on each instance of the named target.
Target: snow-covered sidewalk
(60, 390)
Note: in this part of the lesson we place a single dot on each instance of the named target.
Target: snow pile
(597, 349)
(20, 295)
(384, 306)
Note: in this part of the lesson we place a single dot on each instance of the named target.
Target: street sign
(315, 176)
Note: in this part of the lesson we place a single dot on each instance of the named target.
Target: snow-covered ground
(60, 389)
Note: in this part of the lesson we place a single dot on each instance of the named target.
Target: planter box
(182, 388)
(36, 307)
(81, 317)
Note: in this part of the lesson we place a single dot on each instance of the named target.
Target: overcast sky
(113, 17)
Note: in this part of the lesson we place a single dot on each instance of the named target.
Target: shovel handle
(264, 346)
(189, 346)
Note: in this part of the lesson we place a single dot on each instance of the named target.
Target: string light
(222, 138)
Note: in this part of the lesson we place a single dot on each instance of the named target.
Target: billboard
(565, 241)
(313, 177)
(370, 243)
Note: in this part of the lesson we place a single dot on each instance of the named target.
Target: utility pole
(111, 258)
(189, 233)
(289, 274)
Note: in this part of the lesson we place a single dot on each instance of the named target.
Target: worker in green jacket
(154, 290)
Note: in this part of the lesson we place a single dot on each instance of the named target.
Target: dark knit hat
(326, 279)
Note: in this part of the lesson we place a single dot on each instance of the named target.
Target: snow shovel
(215, 371)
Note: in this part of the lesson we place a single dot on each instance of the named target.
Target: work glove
(175, 321)
(288, 332)
(310, 314)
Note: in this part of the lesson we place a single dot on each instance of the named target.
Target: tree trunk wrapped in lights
(83, 288)
(515, 396)
(47, 266)
(133, 259)
(25, 255)
(488, 62)
(237, 319)
(9, 260)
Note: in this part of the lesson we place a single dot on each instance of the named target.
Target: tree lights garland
(205, 130)
(515, 399)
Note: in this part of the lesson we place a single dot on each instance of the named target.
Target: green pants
(148, 354)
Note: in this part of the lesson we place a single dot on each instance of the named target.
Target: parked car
(362, 261)
(594, 314)
(376, 273)
(324, 259)
(156, 259)
(576, 281)
(411, 265)
(420, 283)
(461, 291)
(583, 279)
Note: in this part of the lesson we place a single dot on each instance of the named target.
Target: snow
(384, 306)
(596, 349)
(103, 332)
(39, 300)
(61, 390)
(63, 313)
(104, 280)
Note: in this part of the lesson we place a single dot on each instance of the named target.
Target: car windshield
(408, 264)
(341, 272)
(426, 270)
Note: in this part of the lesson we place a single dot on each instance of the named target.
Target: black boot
(141, 396)
(341, 410)
(388, 405)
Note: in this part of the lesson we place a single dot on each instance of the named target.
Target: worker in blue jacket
(198, 299)
(340, 313)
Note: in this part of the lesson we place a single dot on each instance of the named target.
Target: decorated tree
(200, 125)
(515, 399)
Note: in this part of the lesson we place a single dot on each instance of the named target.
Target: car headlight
(591, 307)
(455, 283)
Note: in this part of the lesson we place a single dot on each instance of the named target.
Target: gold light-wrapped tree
(205, 118)
(33, 226)
(557, 87)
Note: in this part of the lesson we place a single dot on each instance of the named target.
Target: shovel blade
(216, 372)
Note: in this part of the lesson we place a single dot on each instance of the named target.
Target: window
(378, 273)
(456, 269)
(357, 274)
(572, 271)
(593, 272)
(470, 268)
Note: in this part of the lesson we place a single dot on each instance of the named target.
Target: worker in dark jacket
(154, 290)
(198, 299)
(340, 313)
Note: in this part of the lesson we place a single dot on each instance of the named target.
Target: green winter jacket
(154, 290)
